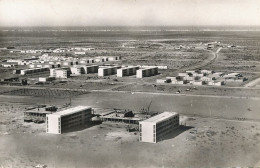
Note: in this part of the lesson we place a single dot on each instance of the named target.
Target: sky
(129, 12)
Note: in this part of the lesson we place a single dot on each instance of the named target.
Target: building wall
(76, 70)
(126, 71)
(61, 73)
(58, 124)
(146, 72)
(53, 124)
(146, 132)
(155, 131)
(107, 71)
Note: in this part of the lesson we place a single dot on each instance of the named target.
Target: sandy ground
(203, 142)
(214, 106)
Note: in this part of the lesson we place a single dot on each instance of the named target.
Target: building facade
(60, 72)
(106, 71)
(127, 71)
(146, 72)
(156, 128)
(59, 122)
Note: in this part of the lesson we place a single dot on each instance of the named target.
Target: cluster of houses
(76, 50)
(203, 77)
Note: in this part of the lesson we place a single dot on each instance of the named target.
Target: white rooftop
(71, 111)
(160, 117)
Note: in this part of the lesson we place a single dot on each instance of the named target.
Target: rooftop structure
(71, 111)
(160, 117)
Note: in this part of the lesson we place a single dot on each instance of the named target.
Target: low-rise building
(38, 114)
(140, 73)
(216, 83)
(156, 128)
(121, 116)
(178, 82)
(163, 80)
(206, 79)
(46, 79)
(64, 120)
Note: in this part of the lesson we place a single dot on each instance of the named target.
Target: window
(140, 127)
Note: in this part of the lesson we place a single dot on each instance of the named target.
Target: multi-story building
(33, 70)
(106, 71)
(90, 69)
(76, 70)
(156, 128)
(62, 121)
(146, 72)
(127, 71)
(60, 72)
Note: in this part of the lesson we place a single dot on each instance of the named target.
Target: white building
(45, 79)
(90, 69)
(188, 78)
(76, 70)
(146, 72)
(216, 83)
(206, 79)
(60, 72)
(57, 123)
(33, 70)
(178, 82)
(127, 71)
(182, 74)
(156, 128)
(106, 71)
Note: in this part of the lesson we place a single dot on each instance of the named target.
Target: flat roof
(40, 111)
(71, 111)
(160, 117)
(129, 67)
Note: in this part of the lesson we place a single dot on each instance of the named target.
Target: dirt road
(253, 83)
